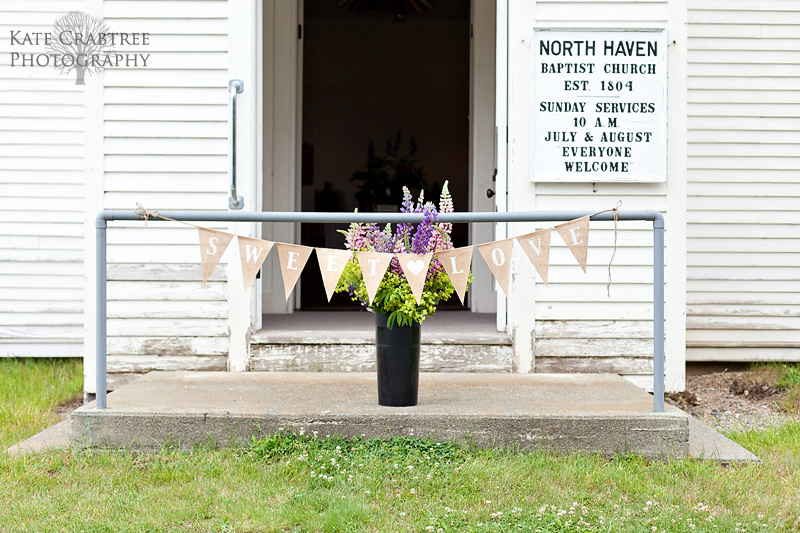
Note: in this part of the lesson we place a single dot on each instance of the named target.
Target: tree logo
(82, 37)
(79, 42)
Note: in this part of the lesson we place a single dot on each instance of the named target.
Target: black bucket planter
(398, 363)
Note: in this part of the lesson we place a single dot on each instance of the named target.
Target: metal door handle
(234, 87)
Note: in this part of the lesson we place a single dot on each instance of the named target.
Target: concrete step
(560, 412)
(310, 341)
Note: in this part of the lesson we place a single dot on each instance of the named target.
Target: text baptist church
(587, 48)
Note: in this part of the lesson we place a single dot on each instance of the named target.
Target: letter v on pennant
(252, 252)
(497, 255)
(536, 246)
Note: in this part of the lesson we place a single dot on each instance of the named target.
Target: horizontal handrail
(378, 218)
(381, 218)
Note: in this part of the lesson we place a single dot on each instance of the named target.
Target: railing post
(658, 313)
(100, 355)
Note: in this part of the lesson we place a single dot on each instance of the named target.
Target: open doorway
(383, 85)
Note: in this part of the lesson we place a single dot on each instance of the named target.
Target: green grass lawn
(301, 483)
(30, 390)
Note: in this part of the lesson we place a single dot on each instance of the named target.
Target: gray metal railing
(382, 218)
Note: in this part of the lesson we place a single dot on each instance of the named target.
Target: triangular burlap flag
(331, 266)
(576, 234)
(497, 255)
(415, 267)
(456, 263)
(252, 252)
(292, 258)
(537, 247)
(373, 267)
(212, 245)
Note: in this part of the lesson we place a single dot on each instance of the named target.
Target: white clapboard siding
(165, 147)
(579, 328)
(743, 296)
(41, 195)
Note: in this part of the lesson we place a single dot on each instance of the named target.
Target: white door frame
(243, 38)
(279, 124)
(482, 149)
(280, 136)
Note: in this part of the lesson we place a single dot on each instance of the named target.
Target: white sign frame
(575, 105)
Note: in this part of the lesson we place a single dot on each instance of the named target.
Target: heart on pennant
(415, 267)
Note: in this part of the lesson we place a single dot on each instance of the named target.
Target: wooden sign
(599, 106)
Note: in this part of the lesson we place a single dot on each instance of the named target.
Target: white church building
(688, 108)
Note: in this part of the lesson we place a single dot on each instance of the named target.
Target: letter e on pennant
(293, 258)
(576, 235)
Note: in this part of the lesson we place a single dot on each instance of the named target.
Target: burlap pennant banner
(576, 234)
(252, 252)
(497, 255)
(373, 267)
(415, 267)
(331, 266)
(212, 247)
(456, 263)
(536, 246)
(293, 259)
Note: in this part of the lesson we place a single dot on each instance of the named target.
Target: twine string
(145, 215)
(615, 210)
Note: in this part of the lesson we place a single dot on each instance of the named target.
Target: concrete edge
(55, 437)
(708, 444)
(705, 443)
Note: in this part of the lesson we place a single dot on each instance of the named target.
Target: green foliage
(394, 295)
(782, 376)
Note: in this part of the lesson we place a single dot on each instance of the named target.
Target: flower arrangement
(394, 293)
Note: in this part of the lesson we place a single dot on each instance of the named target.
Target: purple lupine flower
(404, 229)
(422, 237)
(441, 235)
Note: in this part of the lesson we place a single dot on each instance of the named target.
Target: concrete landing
(559, 412)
